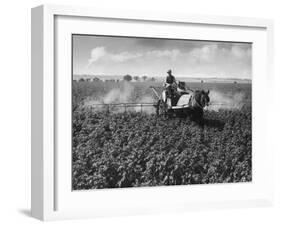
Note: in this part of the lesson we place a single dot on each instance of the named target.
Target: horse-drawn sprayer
(181, 101)
(170, 100)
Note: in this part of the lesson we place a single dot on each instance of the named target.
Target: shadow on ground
(213, 123)
(25, 212)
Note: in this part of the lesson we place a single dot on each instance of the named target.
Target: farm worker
(170, 79)
(170, 82)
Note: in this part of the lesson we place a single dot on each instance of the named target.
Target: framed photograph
(138, 112)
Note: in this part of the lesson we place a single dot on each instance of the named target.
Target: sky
(107, 55)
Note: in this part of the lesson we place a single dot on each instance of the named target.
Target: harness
(196, 102)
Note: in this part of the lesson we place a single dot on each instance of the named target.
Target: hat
(169, 71)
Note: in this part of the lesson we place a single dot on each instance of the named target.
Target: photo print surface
(160, 112)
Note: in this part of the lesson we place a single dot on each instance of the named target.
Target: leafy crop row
(133, 149)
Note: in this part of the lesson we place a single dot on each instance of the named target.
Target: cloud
(173, 54)
(124, 56)
(213, 53)
(209, 59)
(239, 52)
(96, 54)
(101, 54)
(206, 53)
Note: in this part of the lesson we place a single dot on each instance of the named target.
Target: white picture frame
(47, 181)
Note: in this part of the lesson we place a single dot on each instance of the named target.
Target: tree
(153, 79)
(127, 78)
(96, 79)
(144, 77)
(136, 78)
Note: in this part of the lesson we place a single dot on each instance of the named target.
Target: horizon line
(161, 76)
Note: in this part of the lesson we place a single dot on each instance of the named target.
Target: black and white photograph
(160, 112)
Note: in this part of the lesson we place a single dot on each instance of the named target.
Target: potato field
(119, 149)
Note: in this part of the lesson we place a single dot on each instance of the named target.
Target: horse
(198, 100)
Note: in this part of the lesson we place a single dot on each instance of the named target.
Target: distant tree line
(127, 78)
(137, 78)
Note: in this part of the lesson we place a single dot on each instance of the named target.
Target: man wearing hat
(170, 79)
(170, 82)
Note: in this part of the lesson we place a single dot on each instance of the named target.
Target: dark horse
(197, 102)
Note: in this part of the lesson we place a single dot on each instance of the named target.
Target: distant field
(98, 89)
